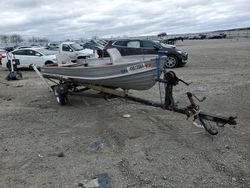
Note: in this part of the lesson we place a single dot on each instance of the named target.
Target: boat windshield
(46, 52)
(76, 47)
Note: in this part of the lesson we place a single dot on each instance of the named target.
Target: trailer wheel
(7, 78)
(48, 63)
(60, 98)
(19, 75)
(14, 76)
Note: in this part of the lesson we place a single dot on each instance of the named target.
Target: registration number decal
(136, 67)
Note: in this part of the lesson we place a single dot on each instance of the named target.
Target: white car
(29, 56)
(75, 50)
(2, 55)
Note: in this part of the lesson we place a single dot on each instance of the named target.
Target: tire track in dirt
(206, 154)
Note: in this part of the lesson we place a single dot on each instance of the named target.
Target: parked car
(2, 55)
(218, 36)
(28, 56)
(52, 46)
(176, 57)
(96, 44)
(172, 40)
(75, 51)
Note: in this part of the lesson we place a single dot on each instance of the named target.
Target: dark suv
(176, 57)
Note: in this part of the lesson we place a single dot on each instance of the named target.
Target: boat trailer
(65, 86)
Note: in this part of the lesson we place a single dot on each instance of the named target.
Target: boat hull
(133, 75)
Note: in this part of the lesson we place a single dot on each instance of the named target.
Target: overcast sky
(72, 19)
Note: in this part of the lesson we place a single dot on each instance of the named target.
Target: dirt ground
(46, 145)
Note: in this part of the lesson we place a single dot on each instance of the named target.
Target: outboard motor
(12, 63)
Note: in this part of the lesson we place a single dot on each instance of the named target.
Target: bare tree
(94, 37)
(38, 40)
(4, 38)
(15, 38)
(33, 40)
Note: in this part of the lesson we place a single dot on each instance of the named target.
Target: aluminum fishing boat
(127, 72)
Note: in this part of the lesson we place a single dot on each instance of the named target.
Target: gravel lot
(46, 145)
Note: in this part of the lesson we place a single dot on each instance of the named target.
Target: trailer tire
(7, 78)
(48, 63)
(60, 98)
(19, 75)
(81, 57)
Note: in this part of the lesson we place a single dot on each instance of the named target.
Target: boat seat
(115, 56)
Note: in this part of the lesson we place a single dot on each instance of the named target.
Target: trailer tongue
(207, 120)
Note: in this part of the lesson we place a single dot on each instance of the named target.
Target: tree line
(16, 38)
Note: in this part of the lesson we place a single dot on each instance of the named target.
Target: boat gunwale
(99, 78)
(97, 66)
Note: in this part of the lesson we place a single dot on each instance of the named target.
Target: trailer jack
(193, 110)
